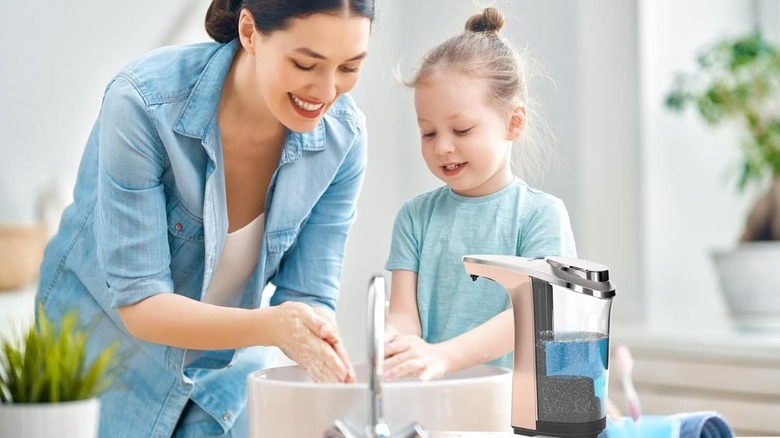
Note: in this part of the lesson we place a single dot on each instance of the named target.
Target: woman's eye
(346, 69)
(462, 131)
(303, 67)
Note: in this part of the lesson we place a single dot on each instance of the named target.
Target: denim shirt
(149, 216)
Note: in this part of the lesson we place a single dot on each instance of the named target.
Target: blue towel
(691, 425)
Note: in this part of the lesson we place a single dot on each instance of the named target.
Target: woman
(212, 170)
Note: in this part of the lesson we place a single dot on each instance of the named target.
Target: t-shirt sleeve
(405, 245)
(548, 232)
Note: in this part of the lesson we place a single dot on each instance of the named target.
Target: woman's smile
(306, 108)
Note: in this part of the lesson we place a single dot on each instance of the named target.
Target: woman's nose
(326, 89)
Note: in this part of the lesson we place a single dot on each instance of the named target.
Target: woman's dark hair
(271, 15)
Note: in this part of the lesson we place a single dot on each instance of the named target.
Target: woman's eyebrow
(311, 53)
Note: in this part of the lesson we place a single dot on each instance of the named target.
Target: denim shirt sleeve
(311, 270)
(131, 224)
(548, 231)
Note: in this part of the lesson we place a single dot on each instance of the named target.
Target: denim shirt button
(179, 226)
(226, 416)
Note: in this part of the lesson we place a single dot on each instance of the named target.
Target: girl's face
(301, 70)
(465, 142)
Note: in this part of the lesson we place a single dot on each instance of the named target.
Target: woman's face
(302, 69)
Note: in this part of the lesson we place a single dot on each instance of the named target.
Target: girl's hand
(391, 332)
(310, 338)
(411, 356)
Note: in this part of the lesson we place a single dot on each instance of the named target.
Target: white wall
(57, 59)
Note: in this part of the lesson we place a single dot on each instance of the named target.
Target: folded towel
(689, 425)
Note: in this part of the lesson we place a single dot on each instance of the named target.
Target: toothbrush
(625, 365)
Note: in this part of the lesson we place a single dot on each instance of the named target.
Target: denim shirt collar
(198, 117)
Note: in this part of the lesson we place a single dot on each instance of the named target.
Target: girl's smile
(453, 169)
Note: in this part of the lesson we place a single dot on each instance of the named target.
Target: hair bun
(490, 20)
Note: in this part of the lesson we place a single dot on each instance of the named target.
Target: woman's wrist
(261, 327)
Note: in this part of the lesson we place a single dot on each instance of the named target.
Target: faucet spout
(377, 427)
(377, 308)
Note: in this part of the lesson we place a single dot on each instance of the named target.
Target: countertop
(722, 339)
(493, 435)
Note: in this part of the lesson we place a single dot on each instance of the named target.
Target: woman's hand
(310, 337)
(336, 342)
(411, 356)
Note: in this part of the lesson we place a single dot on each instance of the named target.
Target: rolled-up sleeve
(131, 224)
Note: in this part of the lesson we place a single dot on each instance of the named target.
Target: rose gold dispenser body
(562, 311)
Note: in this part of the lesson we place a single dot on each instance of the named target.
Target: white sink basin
(284, 402)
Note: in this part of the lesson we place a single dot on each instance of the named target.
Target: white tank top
(236, 265)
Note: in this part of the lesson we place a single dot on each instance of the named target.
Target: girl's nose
(443, 145)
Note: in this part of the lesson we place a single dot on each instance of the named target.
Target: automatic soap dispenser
(562, 311)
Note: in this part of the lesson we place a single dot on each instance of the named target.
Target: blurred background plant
(48, 364)
(738, 80)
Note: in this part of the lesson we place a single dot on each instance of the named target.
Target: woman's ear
(516, 122)
(247, 31)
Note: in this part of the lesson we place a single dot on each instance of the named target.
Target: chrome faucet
(377, 427)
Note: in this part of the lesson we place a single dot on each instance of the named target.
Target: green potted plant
(737, 80)
(47, 388)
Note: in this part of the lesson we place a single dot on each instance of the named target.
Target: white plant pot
(750, 281)
(77, 419)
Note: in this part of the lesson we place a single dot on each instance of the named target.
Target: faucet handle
(340, 429)
(414, 430)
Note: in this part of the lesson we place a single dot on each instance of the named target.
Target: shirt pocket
(186, 243)
(278, 243)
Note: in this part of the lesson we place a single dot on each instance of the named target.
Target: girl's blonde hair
(480, 52)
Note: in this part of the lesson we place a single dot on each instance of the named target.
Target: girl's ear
(247, 31)
(516, 122)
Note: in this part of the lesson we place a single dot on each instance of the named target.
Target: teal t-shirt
(433, 231)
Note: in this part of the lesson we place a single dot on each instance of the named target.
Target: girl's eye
(463, 131)
(429, 134)
(303, 67)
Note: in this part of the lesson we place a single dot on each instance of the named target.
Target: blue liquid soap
(571, 376)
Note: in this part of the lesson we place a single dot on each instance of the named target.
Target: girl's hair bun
(490, 20)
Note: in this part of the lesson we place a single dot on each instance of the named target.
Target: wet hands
(411, 356)
(309, 336)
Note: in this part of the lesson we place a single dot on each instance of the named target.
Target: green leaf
(738, 80)
(49, 363)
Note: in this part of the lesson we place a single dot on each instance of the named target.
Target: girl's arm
(489, 341)
(410, 355)
(404, 317)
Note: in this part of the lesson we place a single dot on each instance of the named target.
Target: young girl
(471, 102)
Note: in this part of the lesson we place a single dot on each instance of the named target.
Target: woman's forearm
(178, 321)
